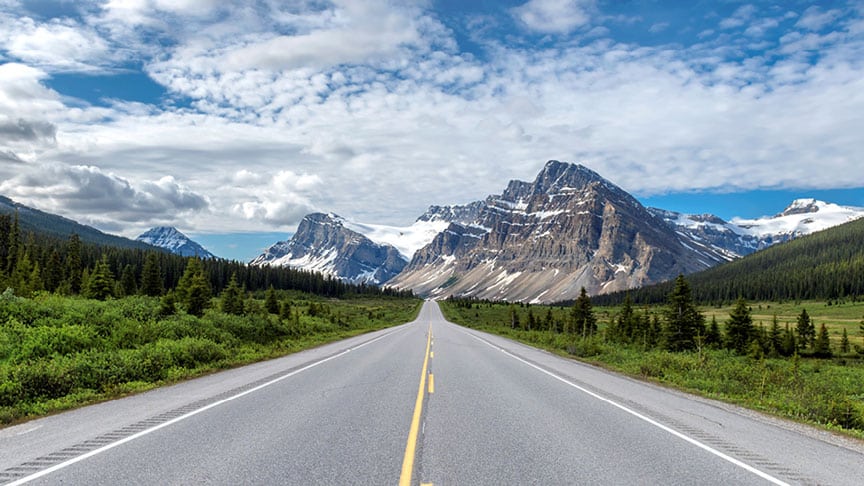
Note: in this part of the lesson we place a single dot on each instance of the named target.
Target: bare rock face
(323, 244)
(544, 240)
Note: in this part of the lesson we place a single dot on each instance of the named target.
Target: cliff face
(322, 243)
(542, 241)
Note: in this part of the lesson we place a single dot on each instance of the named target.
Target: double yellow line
(411, 446)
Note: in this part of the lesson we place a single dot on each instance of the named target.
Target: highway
(427, 402)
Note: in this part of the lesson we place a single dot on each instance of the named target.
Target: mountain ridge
(171, 239)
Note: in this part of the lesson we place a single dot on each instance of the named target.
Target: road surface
(428, 402)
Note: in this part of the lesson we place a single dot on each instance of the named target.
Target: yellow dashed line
(431, 383)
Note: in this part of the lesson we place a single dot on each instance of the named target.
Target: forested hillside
(70, 266)
(42, 223)
(826, 265)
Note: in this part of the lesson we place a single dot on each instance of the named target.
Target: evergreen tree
(73, 264)
(684, 322)
(127, 284)
(775, 338)
(713, 339)
(844, 342)
(151, 276)
(625, 326)
(232, 297)
(790, 344)
(739, 328)
(193, 289)
(822, 344)
(167, 306)
(531, 322)
(806, 330)
(584, 320)
(285, 310)
(100, 284)
(13, 240)
(271, 303)
(53, 273)
(19, 277)
(514, 317)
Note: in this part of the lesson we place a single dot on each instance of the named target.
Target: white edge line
(137, 435)
(638, 415)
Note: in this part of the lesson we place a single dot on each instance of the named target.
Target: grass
(58, 353)
(824, 392)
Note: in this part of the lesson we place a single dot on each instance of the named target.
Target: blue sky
(238, 118)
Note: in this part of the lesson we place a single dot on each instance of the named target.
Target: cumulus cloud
(90, 192)
(57, 45)
(369, 109)
(814, 18)
(21, 129)
(554, 16)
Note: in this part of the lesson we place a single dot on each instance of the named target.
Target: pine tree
(285, 310)
(684, 322)
(844, 342)
(193, 289)
(100, 284)
(584, 320)
(19, 277)
(713, 339)
(127, 284)
(822, 344)
(790, 344)
(271, 303)
(806, 330)
(151, 276)
(775, 338)
(167, 305)
(73, 264)
(53, 273)
(514, 317)
(739, 328)
(232, 297)
(13, 242)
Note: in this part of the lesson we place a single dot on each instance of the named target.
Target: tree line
(677, 326)
(36, 262)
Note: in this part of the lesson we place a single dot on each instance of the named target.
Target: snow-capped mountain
(742, 236)
(542, 241)
(169, 238)
(326, 243)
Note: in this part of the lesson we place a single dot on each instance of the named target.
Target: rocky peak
(169, 238)
(802, 206)
(324, 243)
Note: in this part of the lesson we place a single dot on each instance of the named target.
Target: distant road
(486, 411)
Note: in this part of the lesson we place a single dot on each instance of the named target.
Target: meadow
(59, 352)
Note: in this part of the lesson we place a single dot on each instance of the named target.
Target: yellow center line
(431, 383)
(411, 446)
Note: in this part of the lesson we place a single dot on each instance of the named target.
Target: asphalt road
(485, 411)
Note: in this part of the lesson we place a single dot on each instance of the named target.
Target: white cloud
(740, 17)
(814, 18)
(379, 128)
(57, 45)
(554, 16)
(91, 193)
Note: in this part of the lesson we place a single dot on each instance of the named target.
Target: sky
(233, 120)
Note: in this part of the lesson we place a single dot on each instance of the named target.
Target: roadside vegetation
(800, 360)
(81, 323)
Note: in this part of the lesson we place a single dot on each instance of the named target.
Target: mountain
(51, 225)
(827, 265)
(744, 236)
(542, 241)
(325, 243)
(169, 238)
